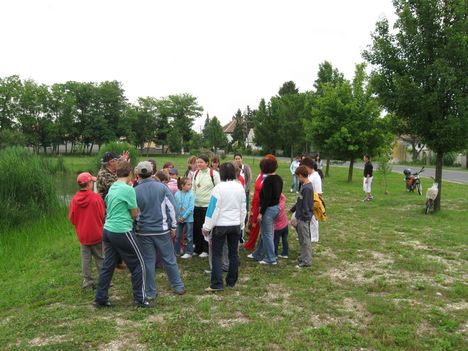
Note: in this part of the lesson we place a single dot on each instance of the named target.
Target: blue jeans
(295, 183)
(163, 243)
(219, 236)
(180, 237)
(121, 245)
(266, 248)
(283, 235)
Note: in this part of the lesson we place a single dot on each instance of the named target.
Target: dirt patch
(277, 292)
(155, 318)
(47, 340)
(125, 343)
(358, 312)
(457, 306)
(228, 323)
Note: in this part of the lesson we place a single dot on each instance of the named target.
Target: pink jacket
(282, 220)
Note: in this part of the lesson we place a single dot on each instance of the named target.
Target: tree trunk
(350, 171)
(327, 168)
(414, 152)
(438, 178)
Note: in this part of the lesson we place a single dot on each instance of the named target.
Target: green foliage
(449, 158)
(216, 137)
(346, 120)
(11, 137)
(119, 148)
(27, 190)
(420, 72)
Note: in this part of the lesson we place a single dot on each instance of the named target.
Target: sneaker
(266, 263)
(251, 256)
(143, 304)
(106, 304)
(195, 254)
(181, 292)
(207, 271)
(283, 256)
(290, 190)
(203, 255)
(185, 256)
(211, 290)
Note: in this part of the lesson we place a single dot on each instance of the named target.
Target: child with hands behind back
(185, 203)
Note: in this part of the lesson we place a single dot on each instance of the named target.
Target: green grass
(384, 277)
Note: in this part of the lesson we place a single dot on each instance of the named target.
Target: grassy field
(384, 277)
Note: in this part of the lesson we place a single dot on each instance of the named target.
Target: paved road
(447, 174)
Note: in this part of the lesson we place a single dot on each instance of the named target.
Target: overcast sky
(228, 54)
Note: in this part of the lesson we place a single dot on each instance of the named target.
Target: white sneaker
(186, 256)
(250, 256)
(266, 263)
(203, 255)
(281, 256)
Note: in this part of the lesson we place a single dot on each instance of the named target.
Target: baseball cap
(85, 177)
(173, 171)
(144, 167)
(109, 156)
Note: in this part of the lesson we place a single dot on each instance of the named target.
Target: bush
(27, 190)
(118, 148)
(449, 158)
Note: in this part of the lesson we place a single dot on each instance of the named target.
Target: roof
(229, 128)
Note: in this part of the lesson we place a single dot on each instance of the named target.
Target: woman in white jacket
(225, 220)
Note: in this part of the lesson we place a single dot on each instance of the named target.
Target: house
(228, 129)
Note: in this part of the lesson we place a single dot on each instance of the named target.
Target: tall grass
(27, 190)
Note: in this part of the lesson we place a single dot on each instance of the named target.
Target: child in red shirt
(87, 214)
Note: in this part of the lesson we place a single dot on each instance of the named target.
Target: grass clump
(27, 189)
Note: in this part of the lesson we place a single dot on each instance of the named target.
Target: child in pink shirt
(281, 229)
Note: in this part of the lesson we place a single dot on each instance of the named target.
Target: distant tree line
(84, 114)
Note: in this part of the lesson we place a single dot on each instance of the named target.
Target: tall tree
(10, 91)
(266, 128)
(183, 109)
(420, 72)
(240, 130)
(216, 137)
(346, 120)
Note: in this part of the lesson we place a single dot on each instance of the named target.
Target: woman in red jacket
(254, 226)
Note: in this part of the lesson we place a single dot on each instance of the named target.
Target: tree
(10, 90)
(420, 73)
(288, 109)
(182, 110)
(216, 137)
(327, 75)
(206, 127)
(240, 130)
(266, 128)
(346, 120)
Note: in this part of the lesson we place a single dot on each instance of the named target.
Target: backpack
(319, 208)
(211, 175)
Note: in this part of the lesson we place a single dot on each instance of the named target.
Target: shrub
(118, 148)
(27, 190)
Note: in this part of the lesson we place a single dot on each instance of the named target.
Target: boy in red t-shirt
(87, 214)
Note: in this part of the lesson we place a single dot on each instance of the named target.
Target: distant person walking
(368, 177)
(292, 168)
(204, 180)
(185, 203)
(155, 228)
(225, 219)
(120, 239)
(87, 213)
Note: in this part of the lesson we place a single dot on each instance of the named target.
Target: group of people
(149, 218)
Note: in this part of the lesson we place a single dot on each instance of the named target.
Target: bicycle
(413, 181)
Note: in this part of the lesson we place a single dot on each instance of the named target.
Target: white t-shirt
(316, 182)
